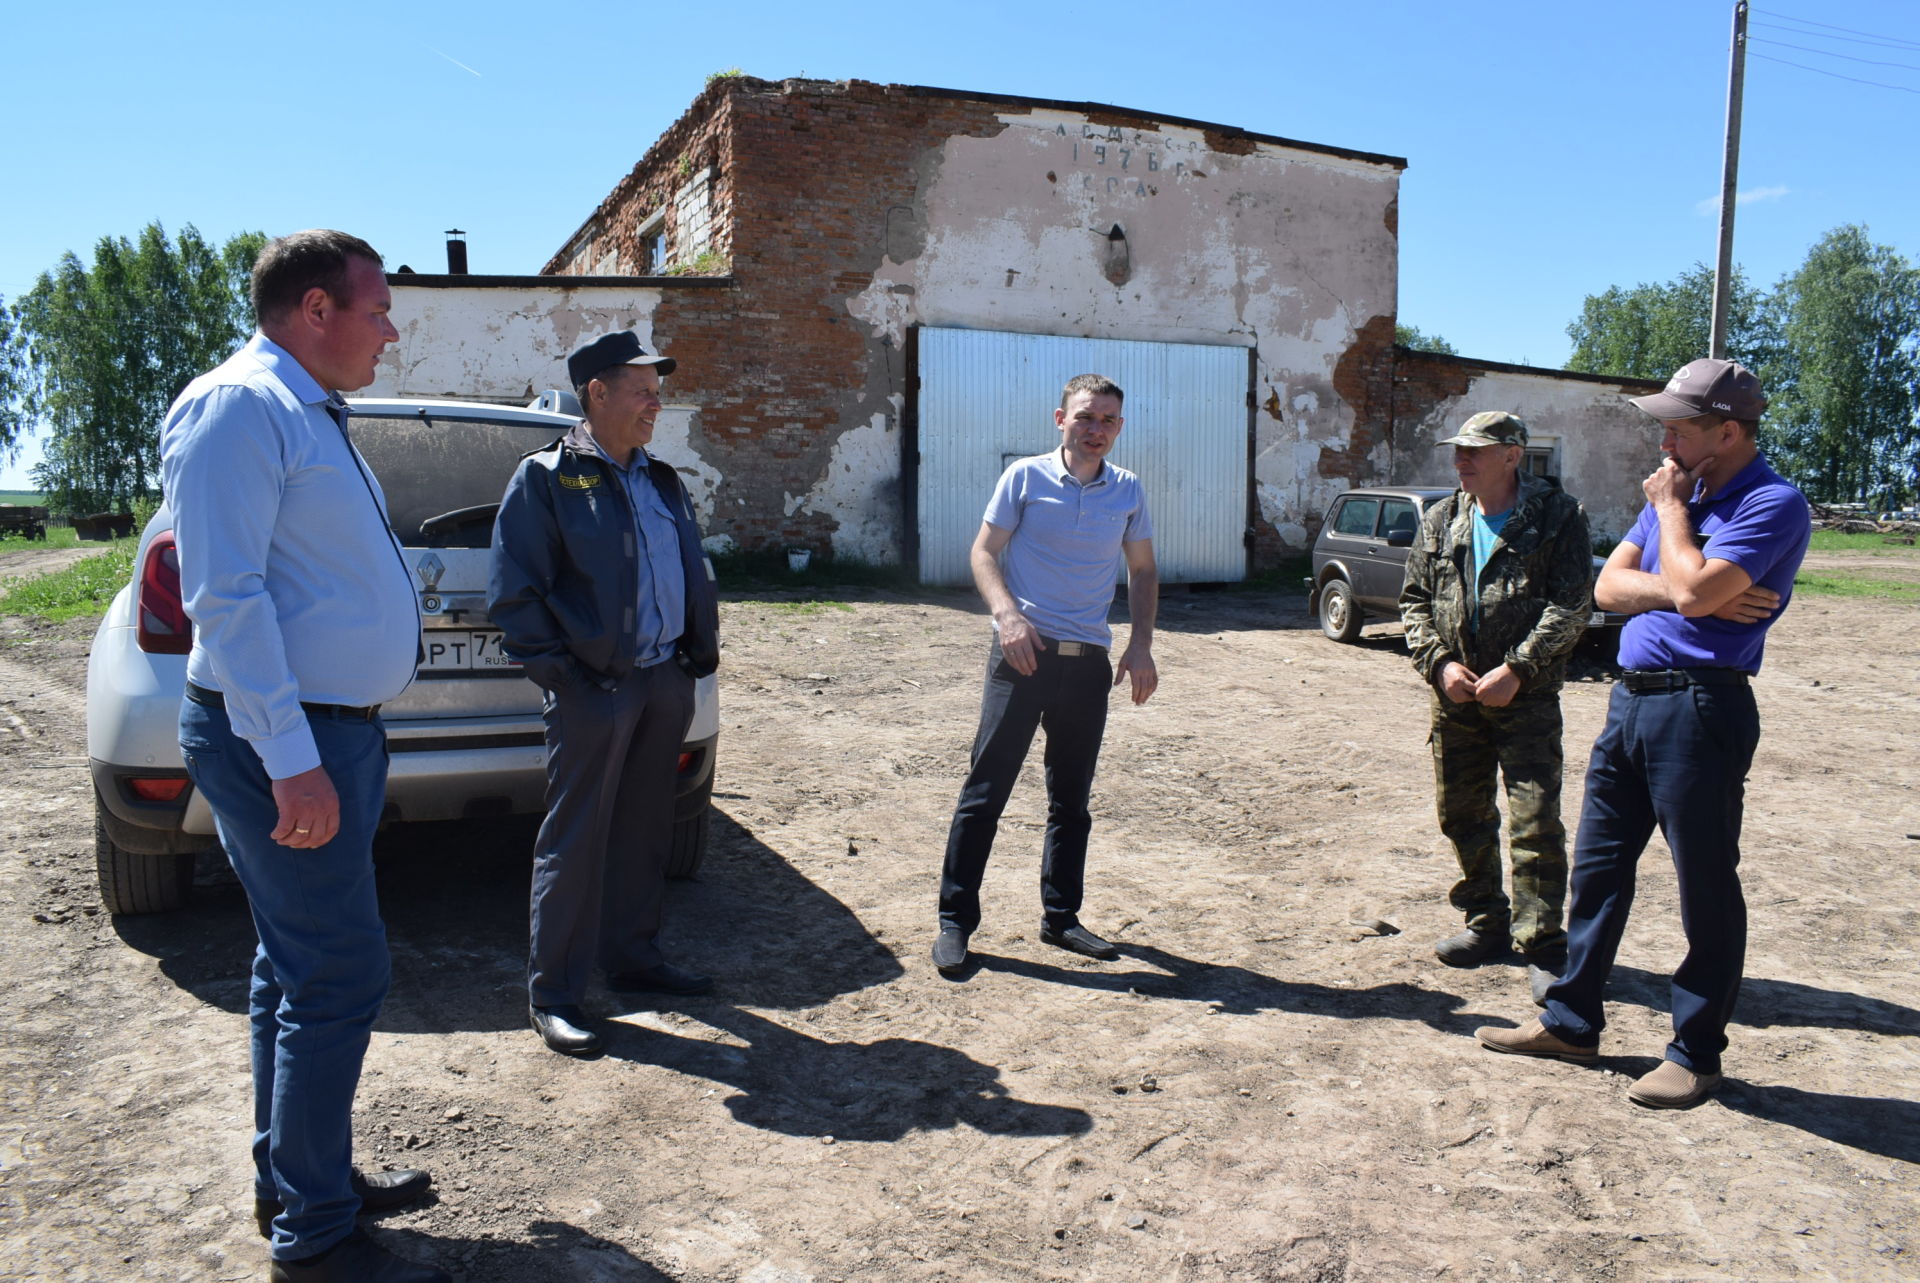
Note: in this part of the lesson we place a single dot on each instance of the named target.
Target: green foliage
(86, 587)
(726, 73)
(100, 352)
(705, 263)
(15, 423)
(1845, 414)
(1650, 331)
(1836, 346)
(1409, 336)
(1846, 583)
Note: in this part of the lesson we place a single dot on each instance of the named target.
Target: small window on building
(652, 244)
(1540, 460)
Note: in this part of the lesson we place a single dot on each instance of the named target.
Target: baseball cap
(622, 347)
(1707, 386)
(1490, 427)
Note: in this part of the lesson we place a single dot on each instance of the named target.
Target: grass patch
(57, 537)
(1835, 583)
(1873, 544)
(811, 606)
(84, 588)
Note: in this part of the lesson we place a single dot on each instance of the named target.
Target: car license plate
(457, 650)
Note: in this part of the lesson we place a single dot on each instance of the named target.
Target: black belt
(1641, 680)
(344, 712)
(1072, 649)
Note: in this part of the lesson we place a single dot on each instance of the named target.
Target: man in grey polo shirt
(1045, 559)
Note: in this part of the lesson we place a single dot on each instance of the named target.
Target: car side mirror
(1399, 538)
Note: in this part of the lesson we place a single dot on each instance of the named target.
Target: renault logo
(430, 569)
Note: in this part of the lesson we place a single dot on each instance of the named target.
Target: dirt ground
(1260, 1089)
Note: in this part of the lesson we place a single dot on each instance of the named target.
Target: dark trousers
(321, 971)
(600, 860)
(1679, 760)
(1474, 747)
(1068, 697)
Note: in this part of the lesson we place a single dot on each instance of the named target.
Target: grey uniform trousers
(599, 863)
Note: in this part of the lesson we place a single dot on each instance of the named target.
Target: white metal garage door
(987, 398)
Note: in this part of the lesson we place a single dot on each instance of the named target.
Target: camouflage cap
(1490, 427)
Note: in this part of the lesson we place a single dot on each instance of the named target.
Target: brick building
(875, 291)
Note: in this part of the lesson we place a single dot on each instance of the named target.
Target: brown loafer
(1671, 1086)
(1532, 1039)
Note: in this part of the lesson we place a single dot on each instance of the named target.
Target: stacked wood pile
(1851, 520)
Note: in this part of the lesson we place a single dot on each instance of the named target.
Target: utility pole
(1729, 185)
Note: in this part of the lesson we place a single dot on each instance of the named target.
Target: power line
(1821, 71)
(1864, 37)
(1828, 53)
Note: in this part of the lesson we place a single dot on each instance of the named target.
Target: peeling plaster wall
(500, 344)
(1283, 250)
(1604, 445)
(508, 344)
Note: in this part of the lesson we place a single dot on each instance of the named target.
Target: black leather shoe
(661, 978)
(356, 1259)
(1079, 940)
(564, 1030)
(378, 1191)
(1471, 948)
(950, 950)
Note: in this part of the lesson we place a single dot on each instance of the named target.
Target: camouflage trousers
(1473, 748)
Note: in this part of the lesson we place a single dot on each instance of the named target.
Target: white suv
(466, 738)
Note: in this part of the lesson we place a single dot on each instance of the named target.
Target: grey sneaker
(1470, 948)
(950, 950)
(1544, 966)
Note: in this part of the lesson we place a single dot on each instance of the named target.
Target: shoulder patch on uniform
(585, 481)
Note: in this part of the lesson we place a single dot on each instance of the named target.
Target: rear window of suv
(428, 466)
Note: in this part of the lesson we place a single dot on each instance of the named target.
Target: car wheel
(135, 883)
(690, 837)
(1340, 616)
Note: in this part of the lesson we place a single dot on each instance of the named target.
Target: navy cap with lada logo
(1707, 386)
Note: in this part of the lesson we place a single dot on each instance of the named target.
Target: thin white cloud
(1752, 196)
(456, 62)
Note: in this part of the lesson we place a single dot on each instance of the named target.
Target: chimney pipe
(456, 252)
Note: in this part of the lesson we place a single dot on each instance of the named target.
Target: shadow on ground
(1772, 1004)
(455, 900)
(1875, 1124)
(1239, 991)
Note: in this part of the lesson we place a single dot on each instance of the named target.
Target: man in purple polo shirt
(1706, 570)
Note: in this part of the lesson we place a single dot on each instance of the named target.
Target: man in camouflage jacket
(1498, 590)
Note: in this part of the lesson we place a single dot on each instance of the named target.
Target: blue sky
(1554, 149)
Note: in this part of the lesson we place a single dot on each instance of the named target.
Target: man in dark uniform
(601, 588)
(1705, 572)
(1498, 589)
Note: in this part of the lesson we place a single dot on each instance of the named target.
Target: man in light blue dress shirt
(305, 622)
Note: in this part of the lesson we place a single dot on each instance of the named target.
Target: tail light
(164, 627)
(157, 788)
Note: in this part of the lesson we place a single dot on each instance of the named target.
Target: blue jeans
(1067, 696)
(320, 973)
(1679, 760)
